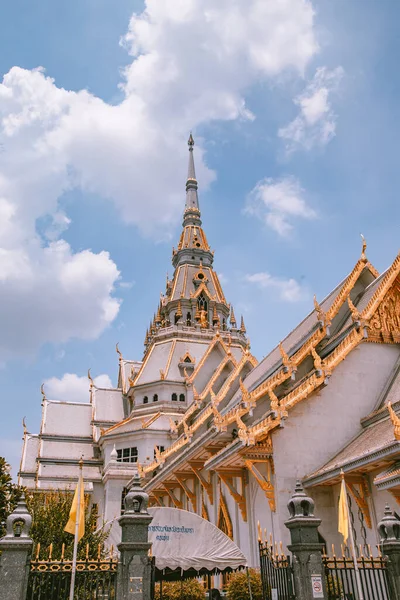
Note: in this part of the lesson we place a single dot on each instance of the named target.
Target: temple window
(174, 397)
(187, 360)
(202, 302)
(181, 397)
(223, 325)
(145, 400)
(176, 319)
(160, 448)
(189, 319)
(127, 455)
(155, 398)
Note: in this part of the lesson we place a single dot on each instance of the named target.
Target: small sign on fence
(316, 584)
(274, 594)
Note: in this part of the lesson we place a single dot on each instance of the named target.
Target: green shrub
(238, 586)
(190, 589)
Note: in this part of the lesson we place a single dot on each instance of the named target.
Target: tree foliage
(9, 494)
(189, 589)
(238, 586)
(50, 513)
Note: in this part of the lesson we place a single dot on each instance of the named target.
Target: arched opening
(145, 400)
(181, 397)
(174, 397)
(189, 319)
(155, 398)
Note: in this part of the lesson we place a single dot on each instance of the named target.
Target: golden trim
(205, 484)
(395, 421)
(190, 494)
(171, 352)
(360, 495)
(265, 483)
(147, 422)
(228, 477)
(224, 517)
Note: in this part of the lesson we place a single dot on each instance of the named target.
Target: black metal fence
(96, 579)
(341, 578)
(276, 573)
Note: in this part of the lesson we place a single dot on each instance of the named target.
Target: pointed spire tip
(190, 141)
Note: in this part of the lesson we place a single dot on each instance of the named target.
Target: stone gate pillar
(308, 568)
(389, 531)
(134, 569)
(16, 549)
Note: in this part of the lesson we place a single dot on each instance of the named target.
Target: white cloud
(72, 388)
(278, 202)
(288, 290)
(315, 124)
(193, 61)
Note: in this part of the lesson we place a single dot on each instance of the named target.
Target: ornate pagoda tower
(195, 354)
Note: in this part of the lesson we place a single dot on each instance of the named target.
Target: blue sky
(294, 109)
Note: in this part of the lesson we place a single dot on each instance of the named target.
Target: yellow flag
(343, 512)
(70, 526)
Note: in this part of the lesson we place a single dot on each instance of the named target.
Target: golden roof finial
(246, 396)
(43, 392)
(190, 140)
(319, 311)
(317, 359)
(173, 426)
(158, 316)
(90, 378)
(364, 248)
(118, 351)
(24, 426)
(284, 355)
(232, 318)
(274, 400)
(355, 314)
(395, 421)
(179, 310)
(242, 326)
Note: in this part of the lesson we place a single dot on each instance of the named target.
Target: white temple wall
(66, 449)
(321, 425)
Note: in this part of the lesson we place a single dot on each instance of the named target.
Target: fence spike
(361, 551)
(379, 550)
(342, 549)
(333, 550)
(281, 549)
(369, 550)
(50, 551)
(112, 550)
(62, 552)
(37, 551)
(87, 551)
(259, 531)
(271, 543)
(98, 551)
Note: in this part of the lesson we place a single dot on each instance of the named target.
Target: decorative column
(389, 531)
(134, 574)
(308, 567)
(16, 549)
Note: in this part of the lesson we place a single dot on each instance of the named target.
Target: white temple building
(216, 433)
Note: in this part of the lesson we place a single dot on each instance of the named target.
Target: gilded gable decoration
(384, 325)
